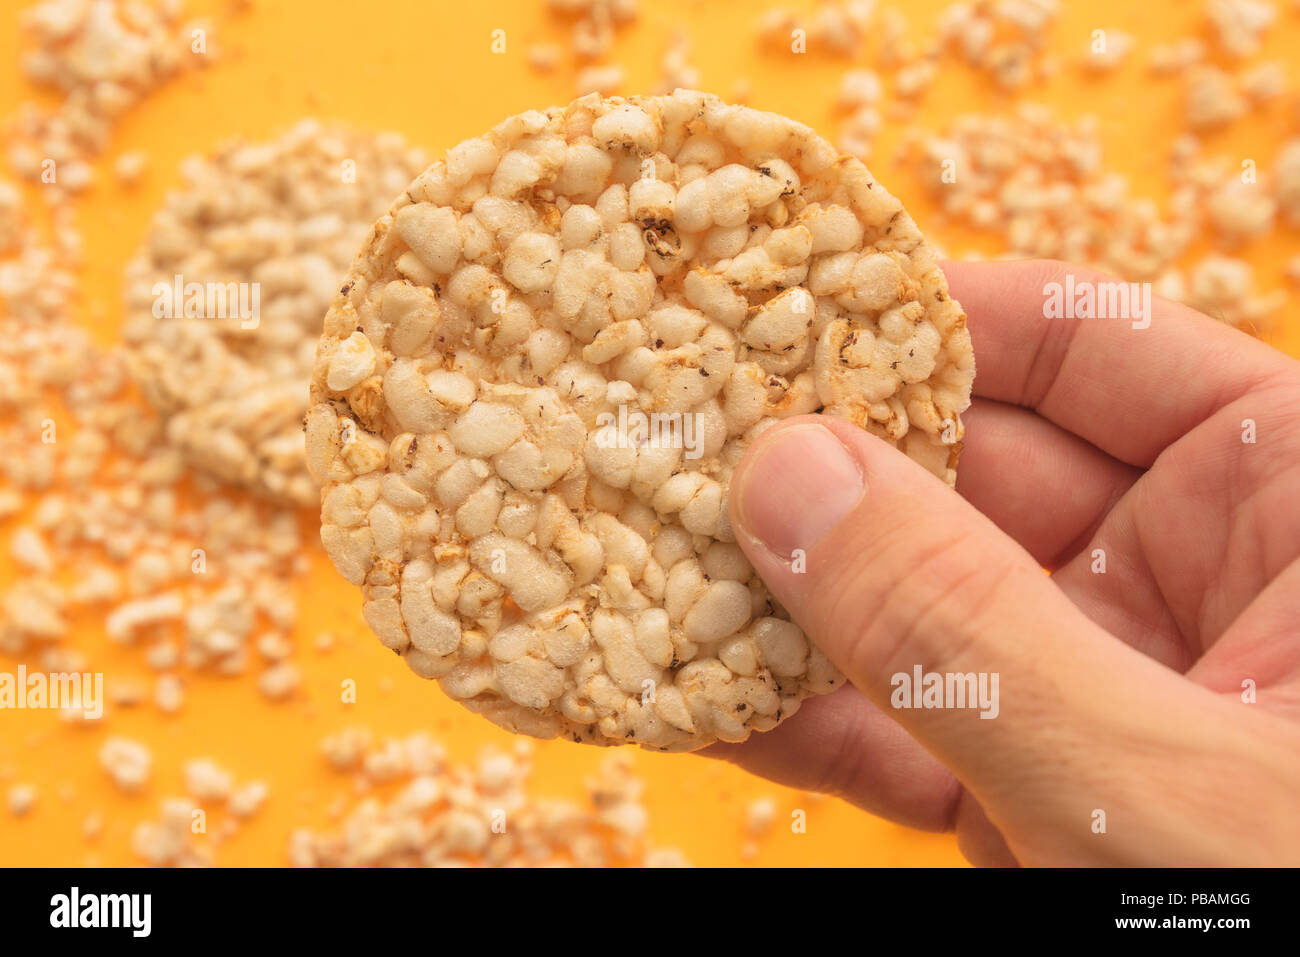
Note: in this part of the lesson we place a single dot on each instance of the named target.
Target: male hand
(1167, 455)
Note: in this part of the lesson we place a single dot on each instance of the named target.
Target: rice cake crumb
(543, 57)
(1041, 186)
(1118, 46)
(102, 57)
(168, 841)
(1212, 98)
(438, 814)
(592, 26)
(676, 69)
(1177, 56)
(127, 762)
(169, 694)
(279, 681)
(129, 168)
(248, 799)
(1241, 211)
(92, 826)
(206, 780)
(1238, 26)
(1003, 41)
(759, 816)
(602, 79)
(839, 27)
(1224, 287)
(22, 798)
(1264, 82)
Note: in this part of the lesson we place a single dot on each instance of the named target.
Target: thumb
(887, 570)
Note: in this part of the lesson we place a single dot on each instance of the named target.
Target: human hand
(1121, 690)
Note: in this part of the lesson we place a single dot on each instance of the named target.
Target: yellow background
(424, 68)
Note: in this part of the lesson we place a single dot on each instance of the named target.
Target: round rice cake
(519, 531)
(224, 300)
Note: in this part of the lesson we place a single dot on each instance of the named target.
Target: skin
(1124, 692)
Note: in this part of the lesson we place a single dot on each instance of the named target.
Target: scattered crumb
(92, 826)
(167, 842)
(22, 798)
(1110, 52)
(130, 167)
(600, 79)
(205, 780)
(543, 57)
(1238, 26)
(248, 799)
(127, 762)
(279, 681)
(759, 816)
(1211, 98)
(440, 813)
(168, 694)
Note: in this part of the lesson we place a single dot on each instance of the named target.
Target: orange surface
(424, 68)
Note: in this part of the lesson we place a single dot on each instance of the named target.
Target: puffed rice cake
(668, 255)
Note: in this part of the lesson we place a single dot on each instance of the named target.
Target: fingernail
(802, 484)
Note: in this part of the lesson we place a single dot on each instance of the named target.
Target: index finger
(1131, 384)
